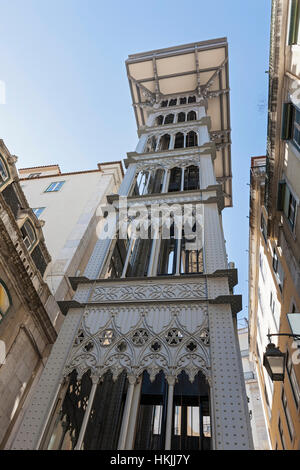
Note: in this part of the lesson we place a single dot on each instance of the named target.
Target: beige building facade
(69, 204)
(274, 280)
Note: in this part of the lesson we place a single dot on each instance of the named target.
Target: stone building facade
(27, 308)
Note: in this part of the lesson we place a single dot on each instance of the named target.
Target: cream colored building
(274, 273)
(68, 203)
(257, 418)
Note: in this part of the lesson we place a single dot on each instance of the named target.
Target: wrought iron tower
(148, 357)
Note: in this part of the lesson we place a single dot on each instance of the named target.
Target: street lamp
(274, 359)
(274, 362)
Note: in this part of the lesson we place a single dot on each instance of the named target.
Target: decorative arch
(191, 116)
(164, 142)
(191, 139)
(181, 117)
(159, 120)
(179, 140)
(169, 119)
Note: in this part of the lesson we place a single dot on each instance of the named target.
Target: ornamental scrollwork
(168, 338)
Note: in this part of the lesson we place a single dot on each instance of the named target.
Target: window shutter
(287, 115)
(280, 197)
(294, 22)
(286, 202)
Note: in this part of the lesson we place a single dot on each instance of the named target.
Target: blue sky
(67, 95)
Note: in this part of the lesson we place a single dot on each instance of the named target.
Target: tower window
(191, 116)
(181, 117)
(183, 100)
(173, 102)
(191, 139)
(159, 120)
(191, 178)
(192, 99)
(151, 144)
(175, 180)
(179, 140)
(169, 119)
(164, 142)
(164, 104)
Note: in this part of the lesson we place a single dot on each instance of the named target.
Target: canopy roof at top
(200, 68)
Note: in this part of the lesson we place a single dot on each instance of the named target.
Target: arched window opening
(191, 178)
(28, 234)
(164, 142)
(169, 119)
(191, 261)
(5, 300)
(183, 100)
(168, 254)
(192, 99)
(181, 117)
(191, 139)
(175, 180)
(159, 120)
(164, 104)
(4, 175)
(151, 144)
(173, 102)
(191, 116)
(156, 181)
(141, 182)
(179, 140)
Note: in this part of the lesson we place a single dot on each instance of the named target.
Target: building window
(37, 211)
(53, 187)
(34, 175)
(290, 207)
(287, 415)
(5, 300)
(287, 203)
(290, 129)
(293, 379)
(277, 266)
(296, 128)
(294, 36)
(4, 175)
(173, 102)
(28, 234)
